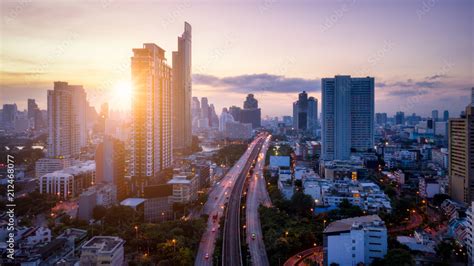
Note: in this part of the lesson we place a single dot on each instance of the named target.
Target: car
(215, 198)
(213, 229)
(254, 236)
(206, 256)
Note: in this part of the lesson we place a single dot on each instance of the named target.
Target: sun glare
(121, 95)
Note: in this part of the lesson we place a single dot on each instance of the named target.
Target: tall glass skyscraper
(347, 116)
(182, 90)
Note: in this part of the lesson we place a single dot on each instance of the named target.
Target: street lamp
(174, 244)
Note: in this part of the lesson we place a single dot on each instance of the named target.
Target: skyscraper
(399, 118)
(151, 135)
(305, 113)
(381, 118)
(461, 156)
(9, 114)
(472, 96)
(347, 116)
(446, 115)
(251, 113)
(434, 115)
(67, 131)
(182, 90)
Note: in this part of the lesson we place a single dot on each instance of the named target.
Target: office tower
(213, 118)
(446, 115)
(236, 113)
(110, 165)
(347, 116)
(67, 132)
(355, 240)
(151, 115)
(225, 118)
(182, 90)
(251, 113)
(312, 114)
(9, 114)
(305, 113)
(381, 118)
(195, 112)
(400, 118)
(472, 96)
(32, 108)
(300, 112)
(434, 115)
(34, 114)
(461, 156)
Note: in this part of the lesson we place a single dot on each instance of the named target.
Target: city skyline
(417, 69)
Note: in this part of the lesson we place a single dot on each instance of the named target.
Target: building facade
(347, 116)
(103, 250)
(67, 127)
(355, 240)
(461, 156)
(182, 90)
(151, 139)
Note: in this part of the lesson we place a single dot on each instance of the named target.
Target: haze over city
(237, 133)
(274, 49)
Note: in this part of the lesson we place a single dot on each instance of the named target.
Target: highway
(257, 194)
(231, 245)
(218, 196)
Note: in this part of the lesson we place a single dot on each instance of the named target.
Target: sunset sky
(421, 53)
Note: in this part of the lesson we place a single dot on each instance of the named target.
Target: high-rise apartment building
(182, 90)
(347, 116)
(461, 156)
(67, 128)
(151, 136)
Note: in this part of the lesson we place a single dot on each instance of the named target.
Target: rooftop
(104, 244)
(346, 224)
(132, 202)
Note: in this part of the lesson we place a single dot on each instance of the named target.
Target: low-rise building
(69, 182)
(428, 187)
(103, 250)
(355, 240)
(159, 203)
(185, 187)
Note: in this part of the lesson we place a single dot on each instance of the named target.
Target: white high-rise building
(225, 118)
(470, 234)
(151, 115)
(355, 240)
(67, 127)
(347, 116)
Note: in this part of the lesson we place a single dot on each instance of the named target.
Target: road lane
(257, 194)
(217, 198)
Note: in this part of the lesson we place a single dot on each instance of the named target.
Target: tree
(301, 204)
(444, 249)
(397, 257)
(439, 198)
(99, 212)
